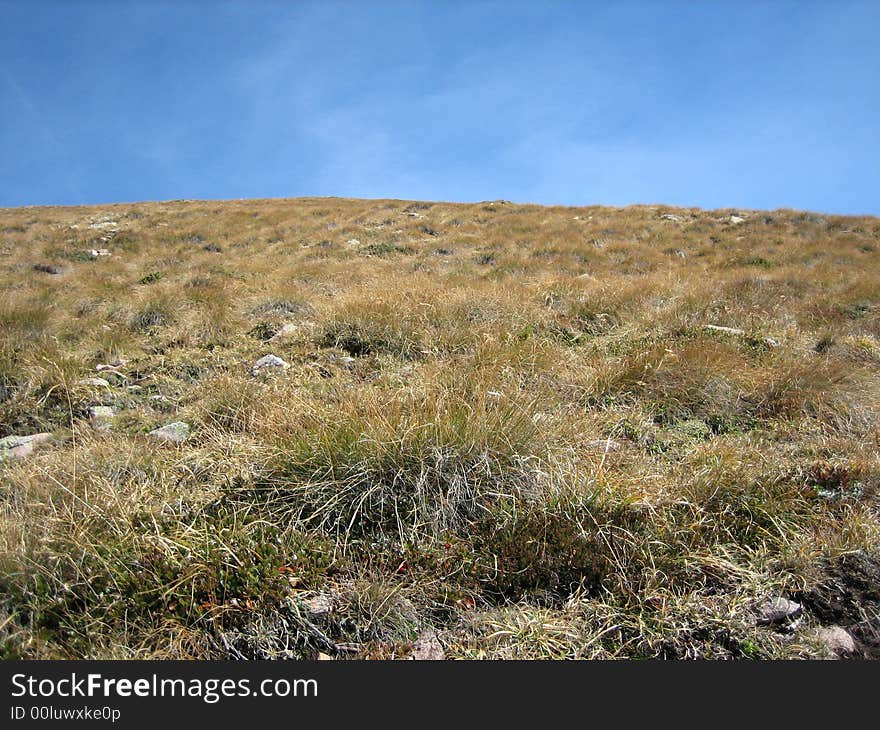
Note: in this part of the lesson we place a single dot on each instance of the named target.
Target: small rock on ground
(428, 647)
(101, 417)
(176, 432)
(18, 447)
(777, 611)
(286, 331)
(837, 640)
(94, 382)
(269, 361)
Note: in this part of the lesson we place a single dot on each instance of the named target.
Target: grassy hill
(489, 431)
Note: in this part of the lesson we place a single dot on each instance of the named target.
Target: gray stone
(286, 331)
(176, 432)
(94, 382)
(101, 417)
(18, 447)
(10, 442)
(837, 640)
(778, 611)
(269, 361)
(428, 647)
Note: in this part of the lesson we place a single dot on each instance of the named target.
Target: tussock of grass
(418, 465)
(372, 329)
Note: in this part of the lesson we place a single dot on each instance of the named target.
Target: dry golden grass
(432, 461)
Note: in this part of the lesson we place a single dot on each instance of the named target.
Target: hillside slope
(484, 431)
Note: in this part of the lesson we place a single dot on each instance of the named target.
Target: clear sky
(711, 104)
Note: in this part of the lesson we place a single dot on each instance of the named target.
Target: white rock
(269, 361)
(353, 242)
(176, 432)
(99, 252)
(18, 447)
(670, 217)
(286, 331)
(101, 417)
(837, 640)
(94, 382)
(736, 219)
(10, 442)
(777, 611)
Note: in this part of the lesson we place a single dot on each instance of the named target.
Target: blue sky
(711, 104)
